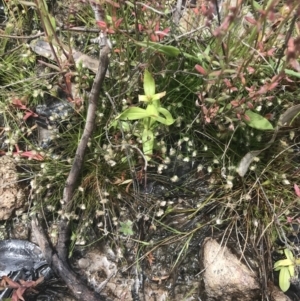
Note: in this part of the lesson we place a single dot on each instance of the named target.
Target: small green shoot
(286, 268)
(126, 228)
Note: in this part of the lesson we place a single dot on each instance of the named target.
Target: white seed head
(104, 201)
(163, 203)
(172, 151)
(199, 167)
(99, 213)
(174, 179)
(159, 213)
(219, 221)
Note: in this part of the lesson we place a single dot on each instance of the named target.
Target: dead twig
(58, 258)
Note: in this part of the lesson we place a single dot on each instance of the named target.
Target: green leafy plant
(149, 117)
(286, 268)
(126, 228)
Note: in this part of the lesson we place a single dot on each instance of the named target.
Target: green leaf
(168, 120)
(149, 84)
(283, 263)
(292, 73)
(257, 121)
(165, 49)
(133, 113)
(291, 270)
(152, 110)
(284, 279)
(158, 95)
(289, 255)
(144, 98)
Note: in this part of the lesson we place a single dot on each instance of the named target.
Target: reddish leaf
(251, 70)
(247, 118)
(289, 219)
(29, 114)
(110, 31)
(102, 24)
(196, 11)
(162, 34)
(250, 20)
(140, 27)
(19, 292)
(297, 190)
(235, 103)
(271, 52)
(32, 155)
(10, 283)
(154, 38)
(250, 105)
(200, 69)
(18, 103)
(118, 22)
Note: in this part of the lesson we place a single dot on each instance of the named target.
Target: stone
(225, 277)
(12, 196)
